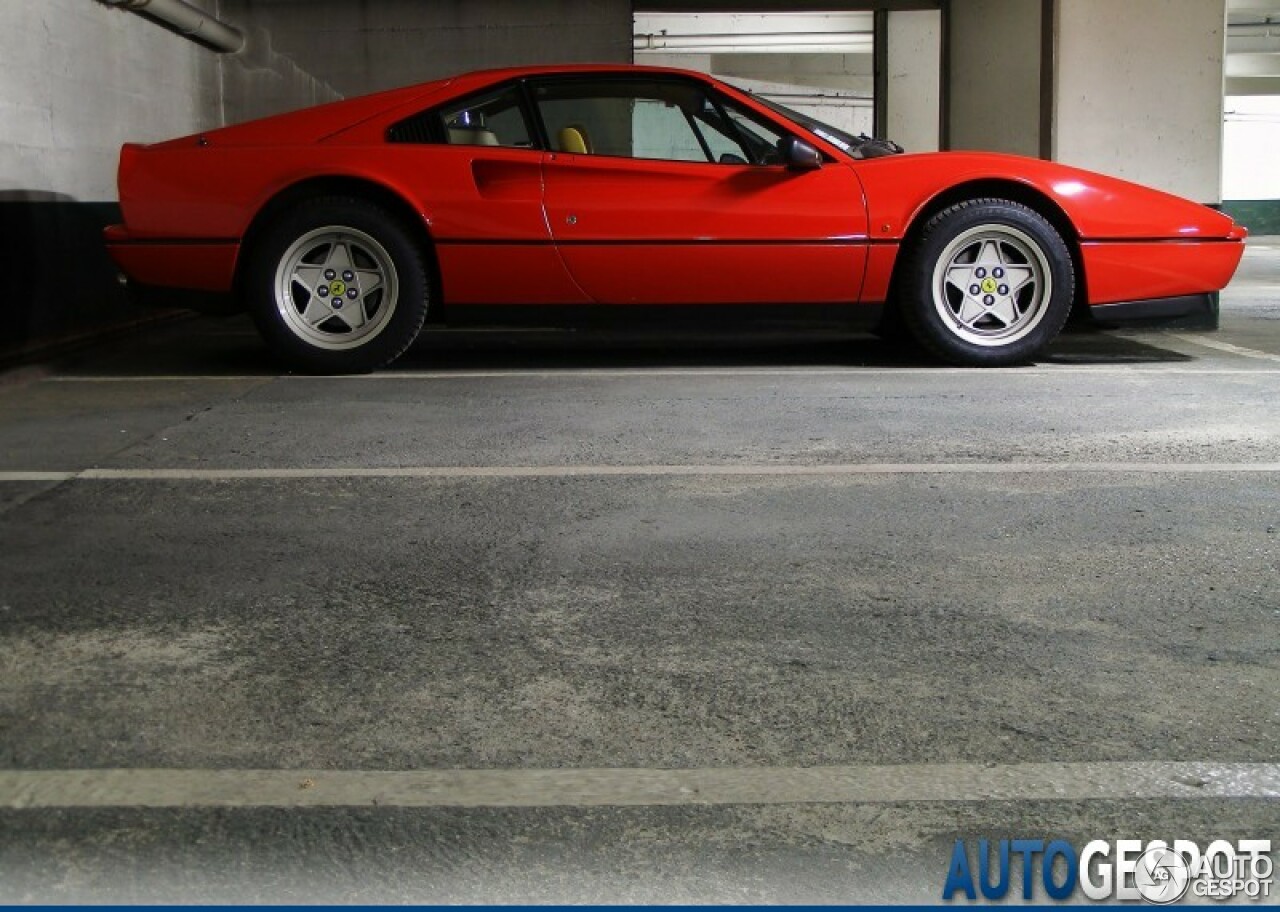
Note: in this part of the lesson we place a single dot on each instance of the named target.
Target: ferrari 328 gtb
(344, 228)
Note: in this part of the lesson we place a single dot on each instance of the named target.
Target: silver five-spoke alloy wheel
(336, 288)
(992, 285)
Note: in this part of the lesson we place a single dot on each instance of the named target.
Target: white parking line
(595, 471)
(1219, 345)
(214, 788)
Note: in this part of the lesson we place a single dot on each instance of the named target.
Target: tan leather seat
(574, 140)
(472, 136)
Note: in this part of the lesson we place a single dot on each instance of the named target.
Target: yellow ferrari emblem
(989, 285)
(338, 289)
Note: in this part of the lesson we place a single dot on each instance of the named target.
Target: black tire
(1022, 272)
(375, 280)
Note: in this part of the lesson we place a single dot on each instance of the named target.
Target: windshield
(834, 135)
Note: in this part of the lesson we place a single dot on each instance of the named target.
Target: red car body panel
(715, 230)
(1099, 207)
(528, 226)
(1160, 269)
(199, 267)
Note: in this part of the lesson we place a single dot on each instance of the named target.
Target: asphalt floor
(737, 617)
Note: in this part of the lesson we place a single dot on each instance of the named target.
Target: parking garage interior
(629, 614)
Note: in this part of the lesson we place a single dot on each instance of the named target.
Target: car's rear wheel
(988, 283)
(338, 285)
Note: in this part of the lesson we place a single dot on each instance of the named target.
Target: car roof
(545, 69)
(484, 77)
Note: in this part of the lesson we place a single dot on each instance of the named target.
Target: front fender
(901, 188)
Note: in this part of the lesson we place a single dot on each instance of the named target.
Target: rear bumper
(1198, 311)
(199, 264)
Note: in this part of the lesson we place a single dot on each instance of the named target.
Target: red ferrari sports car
(343, 228)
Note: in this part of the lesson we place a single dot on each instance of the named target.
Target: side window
(495, 119)
(661, 129)
(638, 118)
(761, 141)
(723, 141)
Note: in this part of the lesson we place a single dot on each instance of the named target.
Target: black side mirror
(798, 155)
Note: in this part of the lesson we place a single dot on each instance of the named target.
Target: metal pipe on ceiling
(1253, 29)
(846, 42)
(187, 20)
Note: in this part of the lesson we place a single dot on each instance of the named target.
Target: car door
(477, 168)
(658, 192)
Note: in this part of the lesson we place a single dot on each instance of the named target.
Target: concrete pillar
(1138, 91)
(994, 68)
(912, 82)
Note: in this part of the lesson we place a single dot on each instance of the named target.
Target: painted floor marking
(587, 471)
(211, 788)
(1219, 345)
(596, 471)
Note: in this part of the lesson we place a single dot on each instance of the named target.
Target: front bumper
(1135, 270)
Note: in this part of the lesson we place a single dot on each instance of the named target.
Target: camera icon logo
(1161, 875)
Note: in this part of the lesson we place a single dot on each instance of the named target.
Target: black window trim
(537, 128)
(718, 100)
(435, 121)
(534, 118)
(697, 134)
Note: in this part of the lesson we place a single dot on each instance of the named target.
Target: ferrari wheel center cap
(338, 288)
(989, 285)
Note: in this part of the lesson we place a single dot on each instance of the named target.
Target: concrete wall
(261, 81)
(995, 75)
(835, 88)
(913, 82)
(1139, 91)
(78, 79)
(361, 46)
(845, 74)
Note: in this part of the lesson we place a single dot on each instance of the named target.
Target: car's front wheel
(989, 283)
(337, 285)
